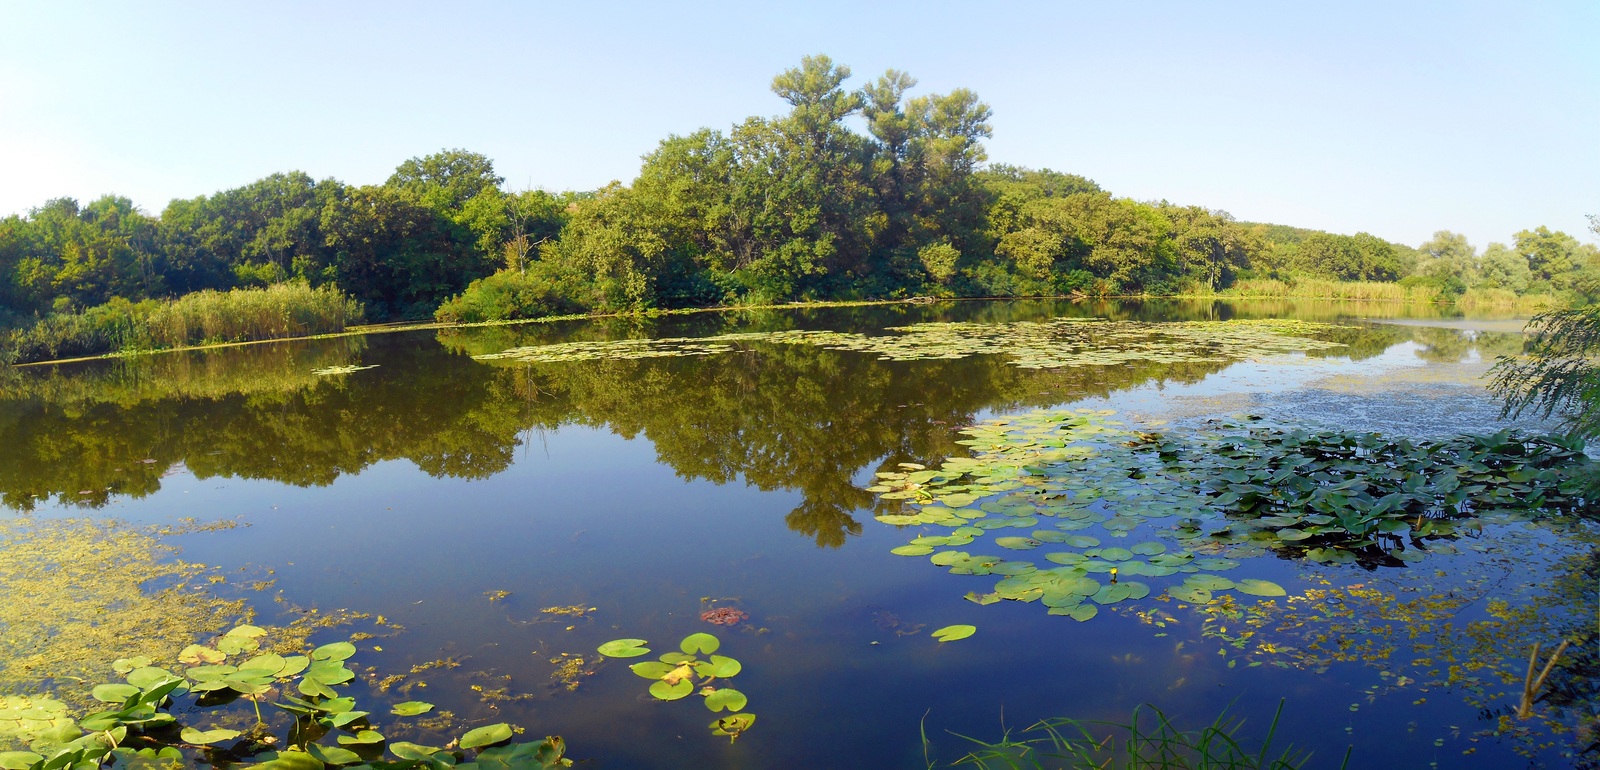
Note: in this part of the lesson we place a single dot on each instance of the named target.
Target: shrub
(510, 295)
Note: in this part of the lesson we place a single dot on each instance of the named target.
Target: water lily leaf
(652, 669)
(114, 693)
(1292, 534)
(1069, 558)
(1136, 590)
(292, 665)
(205, 737)
(19, 760)
(912, 550)
(1259, 588)
(734, 725)
(292, 760)
(411, 708)
(1189, 593)
(325, 671)
(487, 735)
(195, 655)
(699, 643)
(989, 598)
(1082, 541)
(676, 658)
(1209, 582)
(1083, 612)
(726, 699)
(665, 691)
(333, 652)
(947, 558)
(408, 750)
(247, 631)
(1214, 564)
(1151, 548)
(270, 663)
(1115, 554)
(149, 678)
(720, 667)
(1016, 543)
(332, 755)
(362, 738)
(952, 633)
(624, 648)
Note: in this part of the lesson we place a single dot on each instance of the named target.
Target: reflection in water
(777, 416)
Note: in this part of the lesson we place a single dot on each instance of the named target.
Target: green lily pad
(988, 598)
(651, 669)
(1209, 582)
(114, 693)
(912, 550)
(624, 648)
(1259, 588)
(411, 708)
(487, 735)
(1016, 543)
(673, 691)
(363, 738)
(332, 755)
(1115, 554)
(335, 651)
(733, 726)
(205, 737)
(1151, 548)
(952, 633)
(726, 699)
(1189, 593)
(1082, 541)
(699, 643)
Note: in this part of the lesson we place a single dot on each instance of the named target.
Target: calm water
(652, 489)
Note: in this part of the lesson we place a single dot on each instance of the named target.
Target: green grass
(206, 317)
(1148, 741)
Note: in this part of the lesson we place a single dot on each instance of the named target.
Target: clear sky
(1396, 118)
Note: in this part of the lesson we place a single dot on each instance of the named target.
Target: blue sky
(1394, 118)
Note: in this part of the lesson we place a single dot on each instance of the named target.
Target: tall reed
(239, 315)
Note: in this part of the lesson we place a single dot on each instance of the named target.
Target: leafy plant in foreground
(1072, 743)
(673, 677)
(140, 728)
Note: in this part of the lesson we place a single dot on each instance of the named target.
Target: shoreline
(408, 326)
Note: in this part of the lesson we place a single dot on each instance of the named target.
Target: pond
(822, 489)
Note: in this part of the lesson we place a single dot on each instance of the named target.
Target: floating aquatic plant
(1059, 342)
(1209, 498)
(141, 721)
(676, 675)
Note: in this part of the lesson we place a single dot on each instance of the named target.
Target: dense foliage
(852, 194)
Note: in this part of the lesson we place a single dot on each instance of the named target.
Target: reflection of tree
(776, 416)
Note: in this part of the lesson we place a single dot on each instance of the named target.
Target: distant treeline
(793, 207)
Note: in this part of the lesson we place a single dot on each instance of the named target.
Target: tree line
(862, 193)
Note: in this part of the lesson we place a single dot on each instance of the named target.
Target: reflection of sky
(585, 516)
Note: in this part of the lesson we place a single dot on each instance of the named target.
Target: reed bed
(206, 317)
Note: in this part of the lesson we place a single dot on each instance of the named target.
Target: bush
(511, 295)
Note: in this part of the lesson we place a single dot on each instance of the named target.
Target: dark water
(651, 489)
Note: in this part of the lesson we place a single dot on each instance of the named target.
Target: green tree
(1503, 268)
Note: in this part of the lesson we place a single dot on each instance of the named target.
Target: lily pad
(624, 648)
(1189, 593)
(953, 633)
(673, 691)
(488, 735)
(1016, 543)
(912, 550)
(1259, 588)
(411, 708)
(699, 643)
(726, 699)
(205, 737)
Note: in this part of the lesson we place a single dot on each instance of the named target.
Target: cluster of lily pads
(1206, 500)
(141, 725)
(673, 677)
(1333, 494)
(1059, 342)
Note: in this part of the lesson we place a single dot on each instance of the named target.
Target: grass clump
(1148, 740)
(240, 315)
